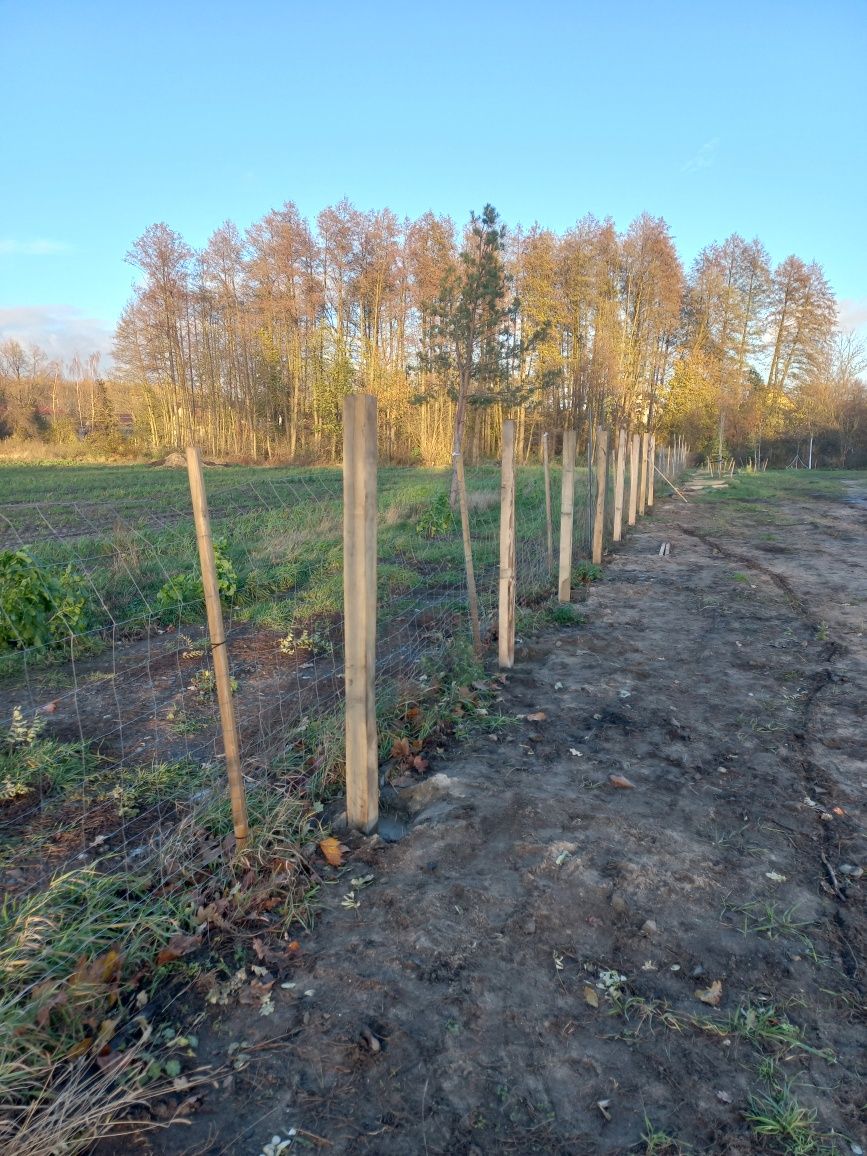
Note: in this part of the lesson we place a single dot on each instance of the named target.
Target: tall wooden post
(642, 477)
(634, 461)
(472, 597)
(549, 525)
(506, 631)
(359, 610)
(599, 515)
(567, 514)
(219, 657)
(619, 479)
(651, 470)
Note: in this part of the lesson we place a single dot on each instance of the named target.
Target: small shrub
(296, 640)
(586, 572)
(438, 519)
(565, 615)
(38, 605)
(185, 590)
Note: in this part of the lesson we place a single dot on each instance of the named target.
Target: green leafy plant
(28, 761)
(438, 519)
(38, 605)
(183, 591)
(586, 572)
(295, 640)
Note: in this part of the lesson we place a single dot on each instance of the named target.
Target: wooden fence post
(651, 469)
(599, 516)
(567, 512)
(634, 450)
(359, 610)
(548, 521)
(219, 657)
(506, 634)
(619, 479)
(642, 477)
(472, 597)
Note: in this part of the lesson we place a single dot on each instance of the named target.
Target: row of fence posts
(359, 574)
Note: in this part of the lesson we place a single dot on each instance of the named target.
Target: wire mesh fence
(116, 841)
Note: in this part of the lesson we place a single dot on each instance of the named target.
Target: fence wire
(112, 776)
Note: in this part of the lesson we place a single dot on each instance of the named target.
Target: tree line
(249, 345)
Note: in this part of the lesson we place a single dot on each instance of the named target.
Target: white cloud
(61, 330)
(40, 247)
(704, 158)
(852, 313)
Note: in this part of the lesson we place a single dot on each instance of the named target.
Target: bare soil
(453, 1010)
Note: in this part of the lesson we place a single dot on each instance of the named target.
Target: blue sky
(720, 117)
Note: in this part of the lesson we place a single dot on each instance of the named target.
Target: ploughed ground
(522, 972)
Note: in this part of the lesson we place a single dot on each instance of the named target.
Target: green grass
(128, 530)
(773, 485)
(781, 1123)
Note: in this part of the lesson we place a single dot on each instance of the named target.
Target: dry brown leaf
(712, 994)
(79, 1049)
(420, 764)
(177, 946)
(536, 716)
(621, 782)
(330, 848)
(590, 997)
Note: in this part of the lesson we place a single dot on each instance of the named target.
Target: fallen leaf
(49, 708)
(590, 997)
(775, 877)
(603, 1106)
(621, 782)
(79, 1049)
(838, 810)
(537, 716)
(330, 848)
(420, 764)
(711, 995)
(178, 946)
(724, 1096)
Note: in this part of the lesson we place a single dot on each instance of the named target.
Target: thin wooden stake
(472, 597)
(651, 469)
(567, 512)
(619, 478)
(359, 610)
(671, 483)
(642, 477)
(548, 520)
(634, 460)
(599, 516)
(507, 549)
(219, 657)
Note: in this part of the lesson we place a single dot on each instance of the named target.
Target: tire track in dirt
(812, 773)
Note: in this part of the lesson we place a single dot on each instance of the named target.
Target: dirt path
(521, 974)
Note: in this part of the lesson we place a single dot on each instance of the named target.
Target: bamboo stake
(472, 596)
(599, 516)
(219, 656)
(506, 632)
(359, 610)
(567, 511)
(642, 477)
(651, 469)
(548, 520)
(670, 483)
(634, 451)
(619, 478)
